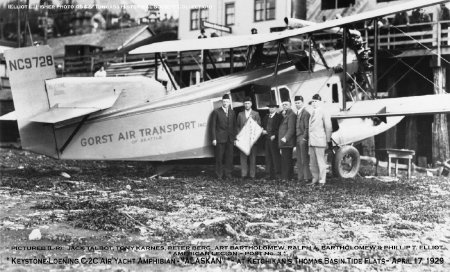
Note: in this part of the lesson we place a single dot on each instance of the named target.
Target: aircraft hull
(161, 134)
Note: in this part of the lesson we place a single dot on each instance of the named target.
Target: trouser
(246, 160)
(272, 157)
(318, 164)
(224, 154)
(303, 170)
(286, 163)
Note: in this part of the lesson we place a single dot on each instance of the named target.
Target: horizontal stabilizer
(63, 112)
(56, 115)
(11, 116)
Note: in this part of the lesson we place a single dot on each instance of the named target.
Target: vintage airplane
(133, 118)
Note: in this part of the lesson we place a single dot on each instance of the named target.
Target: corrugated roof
(111, 40)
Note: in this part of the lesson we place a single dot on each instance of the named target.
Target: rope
(412, 68)
(423, 45)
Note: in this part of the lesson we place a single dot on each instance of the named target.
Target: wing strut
(316, 46)
(169, 74)
(286, 52)
(213, 64)
(310, 53)
(278, 58)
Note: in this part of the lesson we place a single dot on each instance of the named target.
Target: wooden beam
(344, 66)
(375, 58)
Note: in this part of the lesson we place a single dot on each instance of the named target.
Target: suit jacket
(241, 119)
(276, 121)
(287, 130)
(302, 125)
(223, 127)
(319, 128)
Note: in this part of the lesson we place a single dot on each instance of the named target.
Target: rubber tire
(343, 151)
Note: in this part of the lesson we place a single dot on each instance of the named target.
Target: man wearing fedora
(271, 124)
(301, 131)
(248, 162)
(320, 129)
(223, 132)
(286, 139)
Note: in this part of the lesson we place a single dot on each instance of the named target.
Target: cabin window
(229, 14)
(335, 93)
(284, 94)
(264, 10)
(334, 4)
(197, 17)
(264, 99)
(237, 99)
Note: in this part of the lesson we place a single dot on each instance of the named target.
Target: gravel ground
(115, 214)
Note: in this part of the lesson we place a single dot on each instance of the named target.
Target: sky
(136, 8)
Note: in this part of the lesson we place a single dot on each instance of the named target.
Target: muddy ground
(115, 214)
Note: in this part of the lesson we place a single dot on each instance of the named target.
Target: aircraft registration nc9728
(134, 118)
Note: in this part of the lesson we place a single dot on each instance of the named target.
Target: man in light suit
(271, 124)
(223, 132)
(248, 162)
(320, 129)
(301, 131)
(286, 140)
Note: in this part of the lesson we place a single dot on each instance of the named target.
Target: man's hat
(226, 96)
(317, 97)
(298, 98)
(247, 99)
(272, 105)
(286, 100)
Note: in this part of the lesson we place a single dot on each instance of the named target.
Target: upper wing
(246, 40)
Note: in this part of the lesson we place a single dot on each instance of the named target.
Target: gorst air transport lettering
(141, 134)
(29, 63)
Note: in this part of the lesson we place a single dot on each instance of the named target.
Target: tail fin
(28, 68)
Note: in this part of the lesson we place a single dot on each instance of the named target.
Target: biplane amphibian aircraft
(133, 118)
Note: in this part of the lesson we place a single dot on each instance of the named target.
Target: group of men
(308, 130)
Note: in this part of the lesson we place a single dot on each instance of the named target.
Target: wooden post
(19, 43)
(231, 60)
(344, 66)
(181, 68)
(204, 65)
(156, 66)
(440, 143)
(375, 58)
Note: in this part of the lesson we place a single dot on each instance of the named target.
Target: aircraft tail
(28, 68)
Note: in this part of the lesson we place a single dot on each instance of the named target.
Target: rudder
(28, 68)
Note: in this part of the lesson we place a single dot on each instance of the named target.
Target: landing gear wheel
(346, 162)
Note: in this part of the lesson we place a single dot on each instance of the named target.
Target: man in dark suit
(286, 140)
(271, 124)
(223, 131)
(251, 158)
(301, 131)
